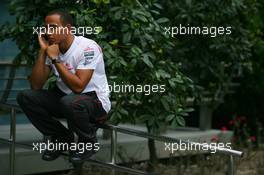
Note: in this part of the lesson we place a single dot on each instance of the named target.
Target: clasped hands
(52, 50)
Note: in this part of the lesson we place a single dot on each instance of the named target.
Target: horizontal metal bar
(3, 90)
(168, 139)
(11, 100)
(8, 63)
(159, 138)
(15, 78)
(9, 105)
(22, 145)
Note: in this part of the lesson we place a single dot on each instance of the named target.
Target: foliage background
(138, 56)
(137, 51)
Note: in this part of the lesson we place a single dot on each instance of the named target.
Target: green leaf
(188, 110)
(126, 37)
(115, 9)
(146, 60)
(158, 5)
(114, 42)
(123, 111)
(106, 1)
(98, 29)
(164, 74)
(119, 116)
(157, 75)
(165, 104)
(123, 62)
(180, 120)
(170, 117)
(174, 123)
(162, 20)
(141, 18)
(136, 50)
(172, 84)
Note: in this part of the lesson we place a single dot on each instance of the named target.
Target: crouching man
(81, 94)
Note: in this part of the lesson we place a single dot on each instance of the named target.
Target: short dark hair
(65, 17)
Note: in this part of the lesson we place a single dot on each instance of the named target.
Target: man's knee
(67, 101)
(72, 102)
(21, 96)
(25, 96)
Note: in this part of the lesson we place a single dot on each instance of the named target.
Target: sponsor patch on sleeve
(88, 55)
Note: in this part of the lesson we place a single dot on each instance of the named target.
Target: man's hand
(53, 51)
(43, 43)
(41, 71)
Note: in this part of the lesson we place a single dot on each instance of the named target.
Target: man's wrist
(55, 60)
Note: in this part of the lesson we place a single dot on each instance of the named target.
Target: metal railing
(114, 129)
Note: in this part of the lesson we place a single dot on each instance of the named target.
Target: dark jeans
(82, 112)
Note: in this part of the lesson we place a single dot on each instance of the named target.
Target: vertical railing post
(12, 139)
(113, 148)
(231, 165)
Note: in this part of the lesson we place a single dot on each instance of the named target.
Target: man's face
(56, 32)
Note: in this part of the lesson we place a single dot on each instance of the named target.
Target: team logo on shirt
(88, 55)
(69, 67)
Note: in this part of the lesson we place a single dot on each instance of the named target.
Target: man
(81, 94)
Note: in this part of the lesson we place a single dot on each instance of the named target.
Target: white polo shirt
(85, 53)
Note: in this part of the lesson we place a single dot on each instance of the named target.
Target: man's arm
(40, 71)
(76, 82)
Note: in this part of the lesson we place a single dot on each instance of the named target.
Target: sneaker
(50, 155)
(80, 157)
